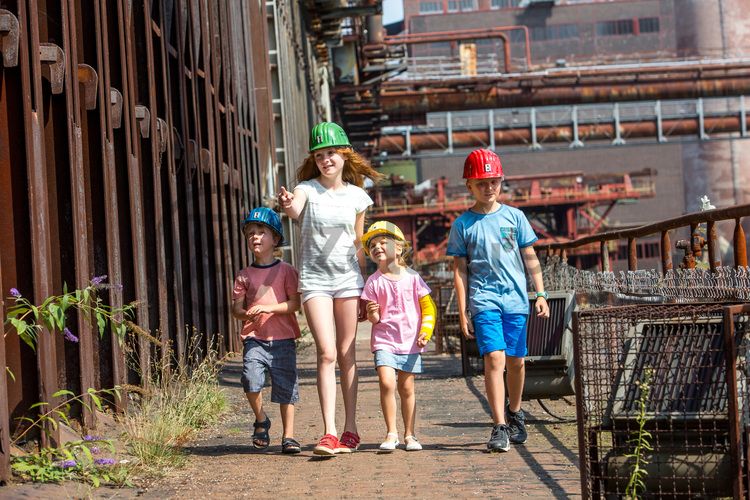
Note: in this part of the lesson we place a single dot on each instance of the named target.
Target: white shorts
(334, 294)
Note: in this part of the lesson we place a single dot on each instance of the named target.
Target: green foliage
(28, 319)
(74, 460)
(641, 442)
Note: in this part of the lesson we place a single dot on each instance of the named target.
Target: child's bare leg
(256, 403)
(387, 379)
(345, 313)
(515, 379)
(494, 364)
(287, 419)
(408, 401)
(319, 314)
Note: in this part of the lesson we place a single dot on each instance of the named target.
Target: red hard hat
(482, 164)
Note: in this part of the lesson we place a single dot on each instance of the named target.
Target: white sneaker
(412, 444)
(388, 445)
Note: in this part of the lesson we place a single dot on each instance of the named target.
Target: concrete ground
(453, 424)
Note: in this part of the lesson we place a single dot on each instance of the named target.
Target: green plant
(641, 442)
(74, 459)
(28, 319)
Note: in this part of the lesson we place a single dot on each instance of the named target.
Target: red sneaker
(348, 443)
(327, 445)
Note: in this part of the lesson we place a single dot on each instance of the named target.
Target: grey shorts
(276, 357)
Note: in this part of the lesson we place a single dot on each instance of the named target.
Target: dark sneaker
(516, 426)
(499, 439)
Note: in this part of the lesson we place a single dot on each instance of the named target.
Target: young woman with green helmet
(330, 204)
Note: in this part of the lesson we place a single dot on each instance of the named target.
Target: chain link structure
(679, 285)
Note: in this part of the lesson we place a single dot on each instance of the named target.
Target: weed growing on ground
(641, 442)
(169, 413)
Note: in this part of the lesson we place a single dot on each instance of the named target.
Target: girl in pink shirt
(403, 318)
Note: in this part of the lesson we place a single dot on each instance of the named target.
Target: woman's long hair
(356, 168)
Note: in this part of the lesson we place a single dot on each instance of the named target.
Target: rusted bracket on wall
(9, 38)
(206, 160)
(115, 101)
(89, 80)
(143, 118)
(179, 145)
(224, 173)
(236, 183)
(161, 137)
(53, 56)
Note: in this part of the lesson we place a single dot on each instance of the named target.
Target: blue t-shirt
(490, 243)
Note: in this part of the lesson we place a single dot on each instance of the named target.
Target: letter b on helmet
(482, 164)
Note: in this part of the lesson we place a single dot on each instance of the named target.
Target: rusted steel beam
(36, 166)
(4, 415)
(713, 245)
(155, 164)
(396, 143)
(210, 153)
(666, 252)
(719, 214)
(604, 256)
(79, 196)
(109, 173)
(171, 82)
(740, 244)
(632, 254)
(733, 396)
(427, 98)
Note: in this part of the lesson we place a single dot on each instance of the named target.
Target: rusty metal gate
(677, 372)
(131, 143)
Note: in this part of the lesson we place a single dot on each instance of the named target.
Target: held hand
(422, 340)
(254, 312)
(285, 198)
(541, 307)
(467, 327)
(362, 310)
(373, 312)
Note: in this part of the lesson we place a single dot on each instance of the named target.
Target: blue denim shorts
(276, 357)
(411, 363)
(496, 331)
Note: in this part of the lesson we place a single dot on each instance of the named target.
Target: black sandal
(260, 438)
(290, 446)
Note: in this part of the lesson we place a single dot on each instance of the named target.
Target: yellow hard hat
(378, 228)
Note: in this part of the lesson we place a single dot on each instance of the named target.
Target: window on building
(462, 5)
(430, 7)
(554, 32)
(648, 25)
(503, 4)
(619, 27)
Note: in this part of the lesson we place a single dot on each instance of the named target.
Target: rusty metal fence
(133, 137)
(677, 372)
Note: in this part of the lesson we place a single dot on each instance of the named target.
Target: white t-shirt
(327, 255)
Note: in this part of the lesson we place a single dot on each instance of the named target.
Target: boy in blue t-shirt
(490, 243)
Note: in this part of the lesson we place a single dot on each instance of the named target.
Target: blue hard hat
(267, 217)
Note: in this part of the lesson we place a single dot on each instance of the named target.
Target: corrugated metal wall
(134, 135)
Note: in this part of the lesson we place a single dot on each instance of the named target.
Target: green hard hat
(328, 135)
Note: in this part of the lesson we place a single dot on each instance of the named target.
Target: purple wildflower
(95, 450)
(104, 461)
(69, 335)
(98, 280)
(67, 464)
(89, 437)
(15, 293)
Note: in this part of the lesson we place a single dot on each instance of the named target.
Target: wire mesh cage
(662, 400)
